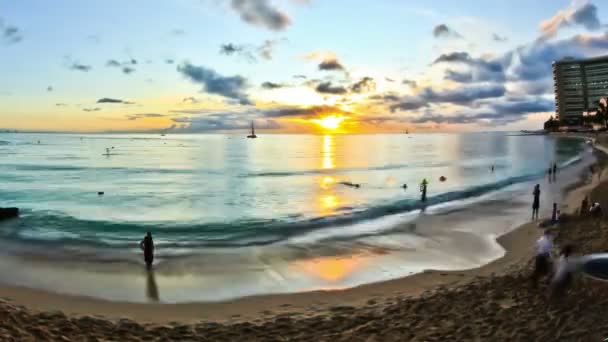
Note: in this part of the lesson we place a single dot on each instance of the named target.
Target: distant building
(579, 84)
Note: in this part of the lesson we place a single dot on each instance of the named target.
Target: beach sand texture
(495, 302)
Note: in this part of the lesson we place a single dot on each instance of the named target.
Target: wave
(59, 229)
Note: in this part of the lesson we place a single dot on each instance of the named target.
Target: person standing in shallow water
(423, 186)
(147, 245)
(536, 203)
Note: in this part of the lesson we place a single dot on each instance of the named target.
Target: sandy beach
(494, 301)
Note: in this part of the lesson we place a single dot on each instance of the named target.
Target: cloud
(364, 85)
(10, 34)
(169, 61)
(331, 64)
(410, 83)
(221, 121)
(584, 15)
(80, 67)
(300, 76)
(329, 88)
(49, 89)
(125, 67)
(498, 38)
(111, 100)
(461, 96)
(389, 79)
(261, 13)
(479, 69)
(96, 109)
(190, 100)
(60, 104)
(305, 112)
(250, 53)
(232, 87)
(443, 31)
(271, 85)
(134, 117)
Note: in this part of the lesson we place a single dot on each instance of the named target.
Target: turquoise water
(226, 191)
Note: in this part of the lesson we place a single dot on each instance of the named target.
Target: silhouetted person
(554, 168)
(492, 168)
(562, 276)
(147, 245)
(554, 214)
(423, 186)
(536, 203)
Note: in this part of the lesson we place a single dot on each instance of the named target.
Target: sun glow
(329, 122)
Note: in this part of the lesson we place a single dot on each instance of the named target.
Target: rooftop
(567, 60)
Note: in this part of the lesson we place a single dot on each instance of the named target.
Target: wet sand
(493, 301)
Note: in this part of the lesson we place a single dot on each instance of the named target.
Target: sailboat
(252, 135)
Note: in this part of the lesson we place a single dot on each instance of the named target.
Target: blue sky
(42, 42)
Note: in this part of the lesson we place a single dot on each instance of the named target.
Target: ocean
(266, 215)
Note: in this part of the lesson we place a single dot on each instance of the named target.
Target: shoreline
(517, 243)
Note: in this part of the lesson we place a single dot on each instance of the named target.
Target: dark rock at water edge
(7, 213)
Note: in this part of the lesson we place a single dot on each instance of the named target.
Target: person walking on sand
(423, 186)
(554, 169)
(554, 214)
(536, 203)
(147, 245)
(542, 259)
(562, 276)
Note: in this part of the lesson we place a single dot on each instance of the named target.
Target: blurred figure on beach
(584, 206)
(562, 276)
(147, 245)
(423, 187)
(554, 214)
(542, 259)
(536, 203)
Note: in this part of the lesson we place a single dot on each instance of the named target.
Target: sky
(289, 66)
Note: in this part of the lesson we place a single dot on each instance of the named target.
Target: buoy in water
(442, 179)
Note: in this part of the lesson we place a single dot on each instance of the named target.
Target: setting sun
(330, 122)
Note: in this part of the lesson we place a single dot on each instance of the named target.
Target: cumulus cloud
(221, 121)
(443, 31)
(111, 100)
(366, 84)
(479, 69)
(585, 14)
(460, 96)
(261, 13)
(232, 87)
(329, 88)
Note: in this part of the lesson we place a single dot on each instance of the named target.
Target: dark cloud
(49, 88)
(498, 38)
(232, 87)
(306, 112)
(585, 15)
(96, 109)
(80, 67)
(331, 64)
(329, 88)
(250, 53)
(190, 100)
(272, 85)
(125, 67)
(366, 84)
(443, 31)
(480, 70)
(134, 117)
(260, 13)
(111, 100)
(461, 96)
(410, 83)
(10, 34)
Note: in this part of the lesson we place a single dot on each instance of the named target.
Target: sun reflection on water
(332, 269)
